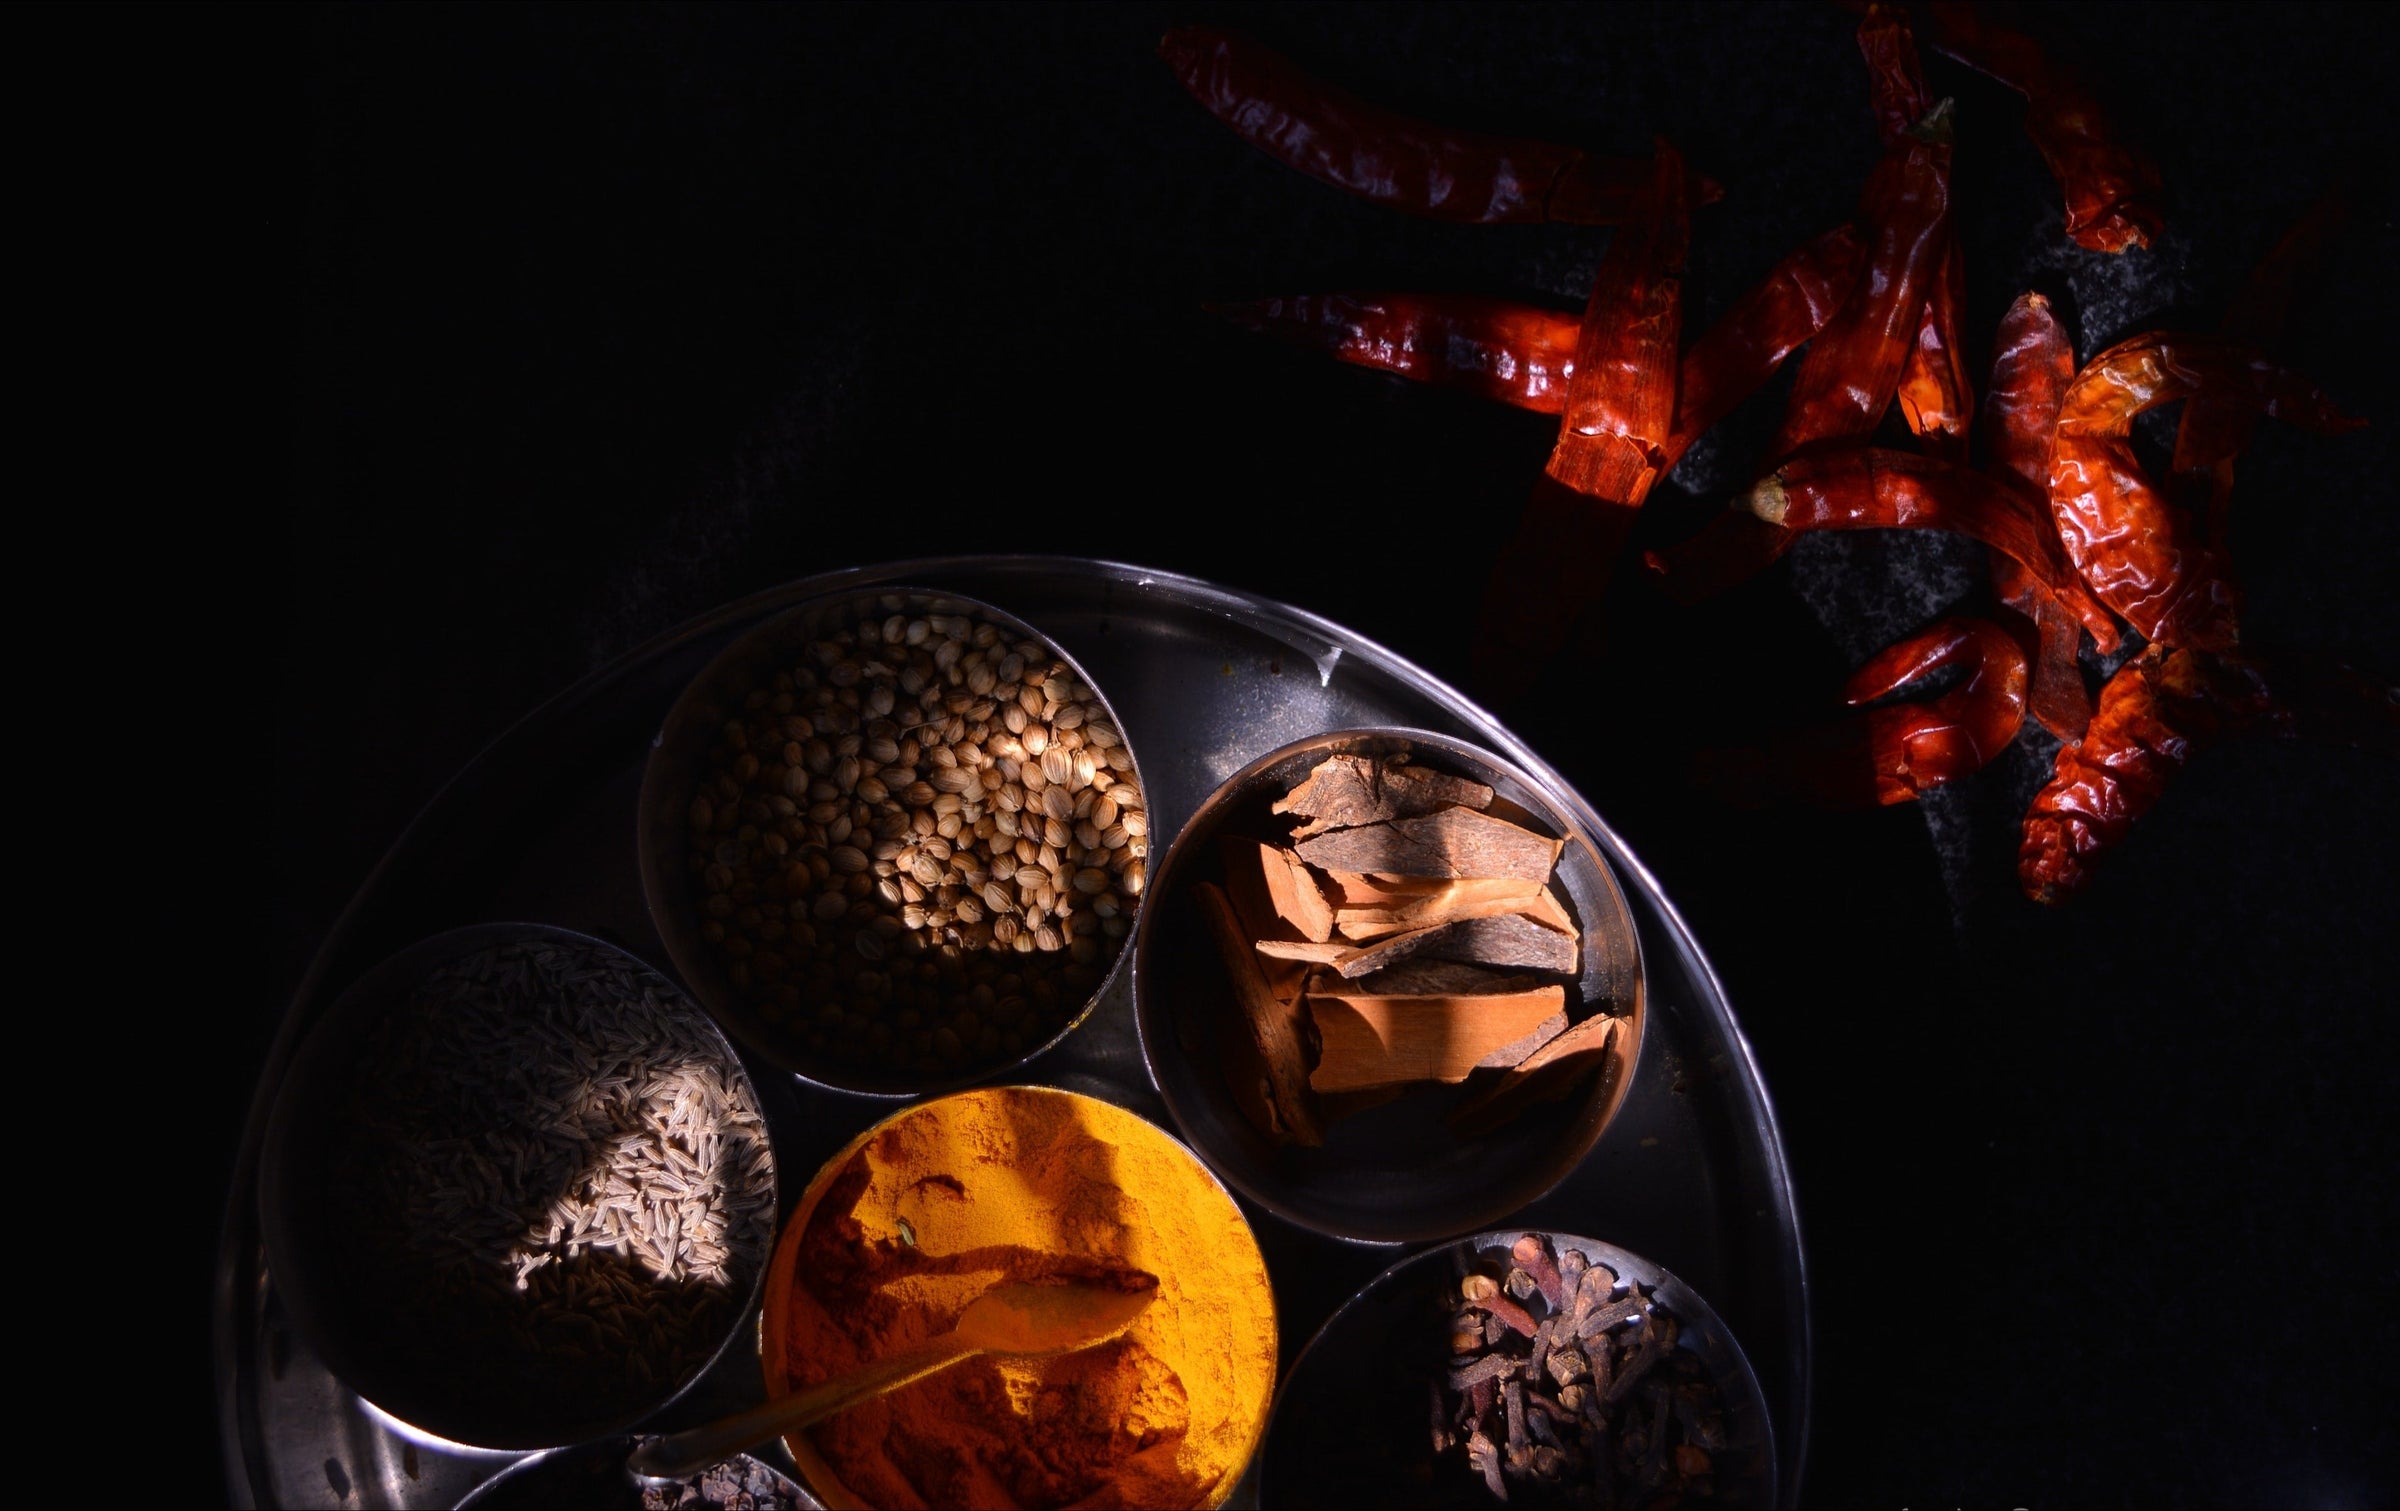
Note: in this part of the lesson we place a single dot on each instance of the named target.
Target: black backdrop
(574, 322)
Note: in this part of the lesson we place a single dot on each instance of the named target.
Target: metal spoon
(1007, 1319)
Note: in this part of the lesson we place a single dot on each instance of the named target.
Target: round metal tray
(540, 828)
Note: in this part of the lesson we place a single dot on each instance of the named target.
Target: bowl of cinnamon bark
(1387, 985)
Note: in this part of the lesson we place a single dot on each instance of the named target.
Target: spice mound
(554, 1183)
(934, 1207)
(1565, 1386)
(918, 849)
(1405, 930)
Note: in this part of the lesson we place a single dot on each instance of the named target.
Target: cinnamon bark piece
(1545, 1075)
(1294, 893)
(1507, 940)
(1515, 1050)
(1367, 1041)
(1436, 978)
(1472, 897)
(1346, 790)
(1246, 1077)
(1455, 842)
(1363, 889)
(1274, 1026)
(1307, 951)
(1248, 887)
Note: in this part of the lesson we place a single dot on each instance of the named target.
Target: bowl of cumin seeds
(516, 1189)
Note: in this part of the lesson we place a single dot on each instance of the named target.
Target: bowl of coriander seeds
(894, 840)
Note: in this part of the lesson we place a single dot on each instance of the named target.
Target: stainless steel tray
(540, 827)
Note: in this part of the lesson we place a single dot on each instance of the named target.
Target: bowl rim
(302, 1289)
(776, 1282)
(618, 1445)
(660, 895)
(1556, 812)
(1688, 1305)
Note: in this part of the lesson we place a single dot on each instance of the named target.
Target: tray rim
(1234, 603)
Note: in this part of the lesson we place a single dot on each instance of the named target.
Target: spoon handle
(684, 1453)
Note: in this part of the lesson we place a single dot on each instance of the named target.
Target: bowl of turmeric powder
(930, 1208)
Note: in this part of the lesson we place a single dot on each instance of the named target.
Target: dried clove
(1571, 1266)
(1532, 1255)
(1654, 1452)
(1592, 1291)
(1484, 1454)
(1519, 1440)
(1486, 1367)
(1505, 1312)
(1656, 1337)
(1568, 1364)
(1615, 1312)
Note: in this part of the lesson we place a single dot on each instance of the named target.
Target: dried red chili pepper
(1852, 368)
(2154, 713)
(2033, 363)
(2031, 368)
(1521, 354)
(1895, 75)
(1621, 397)
(1766, 325)
(2217, 428)
(2111, 190)
(1848, 376)
(2142, 558)
(1396, 160)
(1894, 753)
(1618, 418)
(1869, 488)
(1936, 395)
(1518, 354)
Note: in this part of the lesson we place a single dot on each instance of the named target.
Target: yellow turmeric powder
(931, 1208)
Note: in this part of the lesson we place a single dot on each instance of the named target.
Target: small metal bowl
(1201, 1322)
(1351, 1424)
(1393, 1173)
(814, 1028)
(591, 1477)
(426, 1342)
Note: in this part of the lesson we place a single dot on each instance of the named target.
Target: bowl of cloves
(1521, 1368)
(1387, 985)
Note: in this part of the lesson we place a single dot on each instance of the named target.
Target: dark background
(545, 329)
